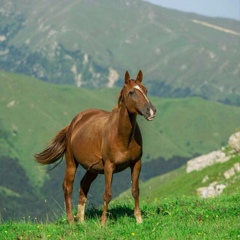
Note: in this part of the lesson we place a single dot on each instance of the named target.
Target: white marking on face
(151, 113)
(138, 88)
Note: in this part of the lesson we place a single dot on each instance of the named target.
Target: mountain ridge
(88, 44)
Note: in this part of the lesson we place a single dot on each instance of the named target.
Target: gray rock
(212, 190)
(234, 141)
(229, 173)
(237, 167)
(206, 160)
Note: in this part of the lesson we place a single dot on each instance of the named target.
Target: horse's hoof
(80, 219)
(103, 221)
(71, 220)
(139, 219)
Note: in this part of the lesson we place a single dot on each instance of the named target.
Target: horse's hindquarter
(86, 138)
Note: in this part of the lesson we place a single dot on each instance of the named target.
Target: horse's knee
(107, 196)
(64, 186)
(67, 187)
(135, 192)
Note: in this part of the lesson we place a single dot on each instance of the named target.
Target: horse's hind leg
(135, 172)
(85, 184)
(71, 167)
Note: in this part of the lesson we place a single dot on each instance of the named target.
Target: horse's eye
(131, 92)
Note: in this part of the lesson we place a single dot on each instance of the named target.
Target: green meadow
(170, 207)
(182, 217)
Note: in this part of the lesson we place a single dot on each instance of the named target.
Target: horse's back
(88, 117)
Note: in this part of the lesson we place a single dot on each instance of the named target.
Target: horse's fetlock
(135, 192)
(82, 200)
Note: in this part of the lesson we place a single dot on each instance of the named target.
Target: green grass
(183, 217)
(170, 208)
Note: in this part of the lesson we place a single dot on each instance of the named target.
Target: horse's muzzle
(150, 113)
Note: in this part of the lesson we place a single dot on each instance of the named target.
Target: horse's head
(134, 95)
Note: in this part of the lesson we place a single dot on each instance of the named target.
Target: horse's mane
(120, 99)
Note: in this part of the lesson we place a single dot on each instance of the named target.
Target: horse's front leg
(135, 172)
(108, 172)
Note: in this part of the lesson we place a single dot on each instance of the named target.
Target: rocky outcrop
(212, 190)
(229, 173)
(214, 157)
(206, 160)
(232, 171)
(234, 142)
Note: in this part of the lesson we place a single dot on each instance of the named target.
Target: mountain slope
(32, 112)
(90, 43)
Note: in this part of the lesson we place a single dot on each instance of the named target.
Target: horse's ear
(139, 76)
(127, 77)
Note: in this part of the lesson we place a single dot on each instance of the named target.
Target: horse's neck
(126, 124)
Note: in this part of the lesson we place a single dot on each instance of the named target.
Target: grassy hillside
(183, 217)
(32, 111)
(178, 182)
(170, 207)
(90, 44)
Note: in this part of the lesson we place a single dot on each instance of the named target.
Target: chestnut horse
(103, 143)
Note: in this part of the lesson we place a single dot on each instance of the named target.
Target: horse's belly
(88, 155)
(121, 167)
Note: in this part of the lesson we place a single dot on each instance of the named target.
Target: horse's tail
(55, 150)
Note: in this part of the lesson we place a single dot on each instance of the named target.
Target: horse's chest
(123, 158)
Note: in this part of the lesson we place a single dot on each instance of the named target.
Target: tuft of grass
(182, 217)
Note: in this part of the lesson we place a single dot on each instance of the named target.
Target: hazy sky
(213, 8)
